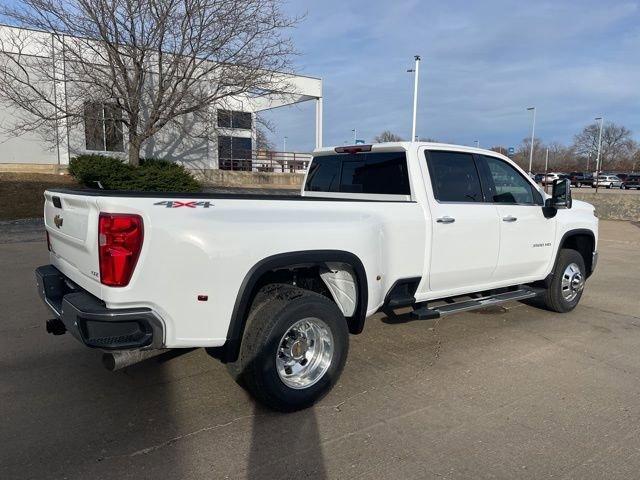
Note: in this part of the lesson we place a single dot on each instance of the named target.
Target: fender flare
(565, 236)
(304, 258)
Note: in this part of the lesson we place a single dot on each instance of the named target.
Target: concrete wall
(225, 178)
(612, 205)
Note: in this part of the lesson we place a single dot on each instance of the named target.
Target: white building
(103, 132)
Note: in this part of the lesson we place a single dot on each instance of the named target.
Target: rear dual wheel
(294, 348)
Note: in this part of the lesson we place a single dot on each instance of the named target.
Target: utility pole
(416, 72)
(598, 166)
(533, 130)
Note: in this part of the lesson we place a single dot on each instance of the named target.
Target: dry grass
(21, 194)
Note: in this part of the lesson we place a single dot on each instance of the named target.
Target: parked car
(550, 177)
(632, 181)
(608, 181)
(581, 179)
(273, 285)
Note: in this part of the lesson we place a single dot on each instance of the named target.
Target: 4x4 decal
(178, 204)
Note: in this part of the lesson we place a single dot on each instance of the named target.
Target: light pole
(416, 73)
(533, 130)
(355, 135)
(546, 169)
(599, 145)
(284, 145)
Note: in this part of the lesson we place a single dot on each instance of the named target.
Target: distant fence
(265, 161)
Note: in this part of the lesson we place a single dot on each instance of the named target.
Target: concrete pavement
(514, 392)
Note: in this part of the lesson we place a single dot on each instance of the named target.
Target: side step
(428, 313)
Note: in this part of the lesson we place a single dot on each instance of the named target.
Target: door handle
(445, 219)
(509, 218)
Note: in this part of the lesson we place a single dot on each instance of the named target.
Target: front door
(526, 236)
(465, 229)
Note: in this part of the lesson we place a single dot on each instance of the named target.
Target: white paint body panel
(208, 251)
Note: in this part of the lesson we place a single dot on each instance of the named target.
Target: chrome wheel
(305, 353)
(572, 282)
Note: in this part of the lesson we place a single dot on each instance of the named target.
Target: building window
(234, 119)
(103, 127)
(234, 153)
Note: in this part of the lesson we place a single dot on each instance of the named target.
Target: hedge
(114, 174)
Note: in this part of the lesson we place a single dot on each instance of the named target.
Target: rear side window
(382, 173)
(454, 177)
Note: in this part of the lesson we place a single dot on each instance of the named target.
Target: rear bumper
(91, 322)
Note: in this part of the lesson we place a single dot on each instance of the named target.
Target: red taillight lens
(120, 238)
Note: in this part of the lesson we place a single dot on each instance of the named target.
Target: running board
(428, 313)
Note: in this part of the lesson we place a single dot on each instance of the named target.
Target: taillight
(120, 238)
(48, 240)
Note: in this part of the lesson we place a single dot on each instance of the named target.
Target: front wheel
(293, 350)
(567, 284)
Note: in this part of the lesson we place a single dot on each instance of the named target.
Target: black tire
(275, 309)
(553, 297)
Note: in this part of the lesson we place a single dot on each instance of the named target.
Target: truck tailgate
(72, 225)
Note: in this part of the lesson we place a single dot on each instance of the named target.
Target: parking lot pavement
(513, 392)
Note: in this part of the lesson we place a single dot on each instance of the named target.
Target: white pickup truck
(273, 285)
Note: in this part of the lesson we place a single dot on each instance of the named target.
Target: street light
(599, 145)
(355, 135)
(416, 72)
(546, 170)
(533, 130)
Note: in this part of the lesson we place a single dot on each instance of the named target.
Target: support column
(319, 122)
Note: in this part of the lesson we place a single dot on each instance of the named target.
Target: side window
(454, 177)
(507, 185)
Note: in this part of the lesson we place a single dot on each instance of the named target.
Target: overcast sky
(483, 64)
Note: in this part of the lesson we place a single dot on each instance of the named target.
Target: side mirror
(561, 193)
(560, 198)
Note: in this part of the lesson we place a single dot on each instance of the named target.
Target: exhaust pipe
(56, 327)
(124, 358)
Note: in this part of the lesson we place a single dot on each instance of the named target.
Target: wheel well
(302, 269)
(584, 244)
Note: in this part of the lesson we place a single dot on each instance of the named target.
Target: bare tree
(387, 136)
(521, 156)
(617, 145)
(264, 127)
(150, 62)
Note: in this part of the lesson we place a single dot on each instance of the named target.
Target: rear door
(465, 229)
(526, 236)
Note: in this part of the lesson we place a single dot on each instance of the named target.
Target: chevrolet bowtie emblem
(58, 221)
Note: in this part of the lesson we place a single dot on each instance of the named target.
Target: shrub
(151, 175)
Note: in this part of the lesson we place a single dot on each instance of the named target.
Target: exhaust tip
(56, 327)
